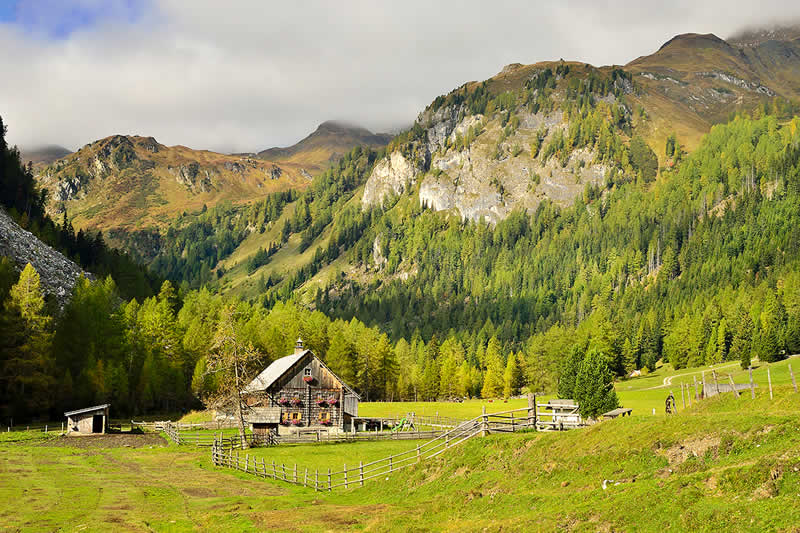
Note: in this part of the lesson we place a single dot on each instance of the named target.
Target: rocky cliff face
(394, 174)
(492, 175)
(58, 274)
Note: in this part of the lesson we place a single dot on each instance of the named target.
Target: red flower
(308, 379)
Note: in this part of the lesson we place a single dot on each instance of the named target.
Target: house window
(307, 372)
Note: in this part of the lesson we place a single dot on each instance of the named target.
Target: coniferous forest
(696, 266)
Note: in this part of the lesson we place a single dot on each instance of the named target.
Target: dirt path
(668, 380)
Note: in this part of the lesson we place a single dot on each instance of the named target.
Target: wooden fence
(507, 421)
(185, 426)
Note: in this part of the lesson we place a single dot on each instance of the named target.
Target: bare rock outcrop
(393, 174)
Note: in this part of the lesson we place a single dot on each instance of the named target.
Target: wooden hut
(88, 420)
(303, 392)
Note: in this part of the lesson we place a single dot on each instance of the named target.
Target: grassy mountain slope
(125, 183)
(329, 142)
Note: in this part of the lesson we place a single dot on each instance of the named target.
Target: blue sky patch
(58, 19)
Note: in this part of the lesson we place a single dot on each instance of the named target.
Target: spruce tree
(594, 386)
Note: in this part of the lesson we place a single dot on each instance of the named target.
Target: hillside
(43, 155)
(728, 463)
(327, 144)
(121, 184)
(551, 133)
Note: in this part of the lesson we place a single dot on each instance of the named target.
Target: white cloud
(246, 75)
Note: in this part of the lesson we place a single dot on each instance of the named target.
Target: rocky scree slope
(58, 274)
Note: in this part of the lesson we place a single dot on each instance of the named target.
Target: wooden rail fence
(506, 421)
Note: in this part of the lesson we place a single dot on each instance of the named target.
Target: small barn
(302, 392)
(88, 420)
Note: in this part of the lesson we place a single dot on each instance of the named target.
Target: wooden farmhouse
(299, 391)
(88, 420)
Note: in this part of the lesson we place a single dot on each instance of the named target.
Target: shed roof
(263, 415)
(88, 409)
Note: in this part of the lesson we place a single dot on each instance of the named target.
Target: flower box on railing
(297, 402)
(283, 401)
(297, 422)
(333, 401)
(308, 379)
(321, 402)
(326, 422)
(284, 422)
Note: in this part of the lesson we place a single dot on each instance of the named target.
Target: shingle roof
(274, 371)
(263, 415)
(280, 366)
(87, 409)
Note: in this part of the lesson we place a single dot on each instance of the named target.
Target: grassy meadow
(724, 463)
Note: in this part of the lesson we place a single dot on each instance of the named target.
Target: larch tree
(26, 348)
(231, 361)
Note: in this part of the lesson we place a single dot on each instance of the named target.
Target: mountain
(43, 155)
(124, 183)
(537, 139)
(329, 142)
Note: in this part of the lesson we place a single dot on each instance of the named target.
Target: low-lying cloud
(246, 75)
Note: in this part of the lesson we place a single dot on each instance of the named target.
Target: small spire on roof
(299, 346)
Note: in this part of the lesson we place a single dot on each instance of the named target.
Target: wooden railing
(185, 426)
(506, 421)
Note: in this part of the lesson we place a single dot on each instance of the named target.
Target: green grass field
(725, 463)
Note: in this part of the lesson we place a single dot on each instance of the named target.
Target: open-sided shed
(88, 420)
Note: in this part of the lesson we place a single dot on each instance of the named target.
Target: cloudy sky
(244, 75)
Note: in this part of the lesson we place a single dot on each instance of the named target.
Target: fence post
(716, 383)
(246, 461)
(696, 395)
(703, 393)
(752, 385)
(345, 475)
(733, 385)
(390, 463)
(683, 398)
(419, 454)
(794, 383)
(283, 468)
(361, 472)
(484, 422)
(274, 472)
(295, 472)
(512, 422)
(316, 480)
(305, 478)
(769, 380)
(330, 488)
